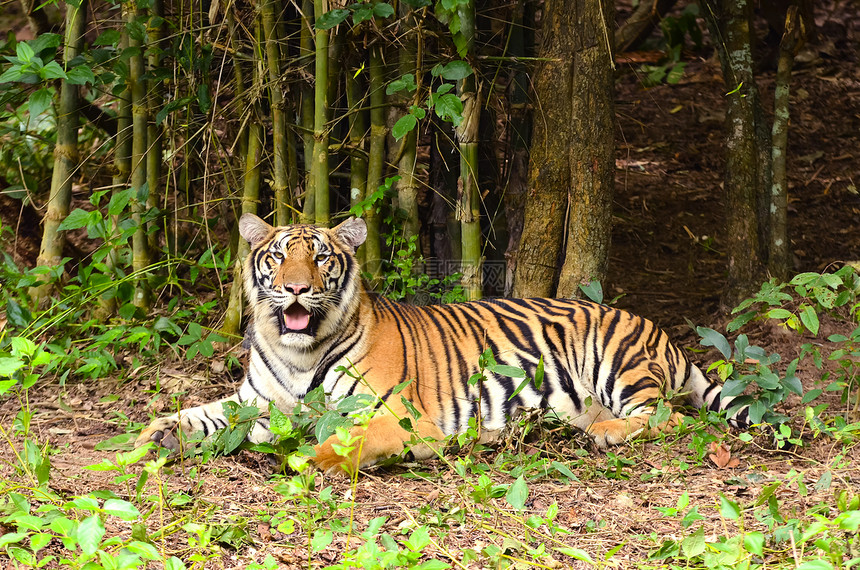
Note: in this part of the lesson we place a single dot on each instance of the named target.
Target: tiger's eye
(322, 258)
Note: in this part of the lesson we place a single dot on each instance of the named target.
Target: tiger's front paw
(164, 432)
(330, 462)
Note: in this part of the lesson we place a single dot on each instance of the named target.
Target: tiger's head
(301, 281)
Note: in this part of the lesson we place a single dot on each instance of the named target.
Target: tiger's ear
(352, 232)
(253, 229)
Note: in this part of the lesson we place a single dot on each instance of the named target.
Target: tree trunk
(407, 151)
(375, 160)
(747, 162)
(520, 128)
(780, 252)
(566, 229)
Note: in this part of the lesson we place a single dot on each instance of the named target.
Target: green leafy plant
(670, 68)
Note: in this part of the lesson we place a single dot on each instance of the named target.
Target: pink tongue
(296, 317)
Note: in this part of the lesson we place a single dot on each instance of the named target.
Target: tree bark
(566, 229)
(779, 251)
(748, 168)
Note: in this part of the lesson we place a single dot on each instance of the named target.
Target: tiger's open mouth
(295, 319)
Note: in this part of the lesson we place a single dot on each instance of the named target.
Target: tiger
(314, 323)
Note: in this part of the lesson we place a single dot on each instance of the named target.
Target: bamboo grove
(303, 111)
(172, 118)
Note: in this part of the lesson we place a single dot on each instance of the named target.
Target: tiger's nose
(297, 288)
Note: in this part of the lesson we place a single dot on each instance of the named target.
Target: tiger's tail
(704, 392)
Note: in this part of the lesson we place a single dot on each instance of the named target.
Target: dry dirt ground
(666, 264)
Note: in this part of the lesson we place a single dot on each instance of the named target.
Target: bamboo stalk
(155, 133)
(241, 144)
(280, 185)
(469, 199)
(65, 152)
(357, 159)
(120, 178)
(141, 255)
(306, 52)
(375, 160)
(321, 134)
(250, 199)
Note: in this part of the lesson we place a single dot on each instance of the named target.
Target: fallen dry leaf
(721, 455)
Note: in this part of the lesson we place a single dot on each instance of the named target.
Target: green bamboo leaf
(517, 494)
(507, 371)
(519, 389)
(413, 411)
(576, 553)
(564, 470)
(539, 374)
